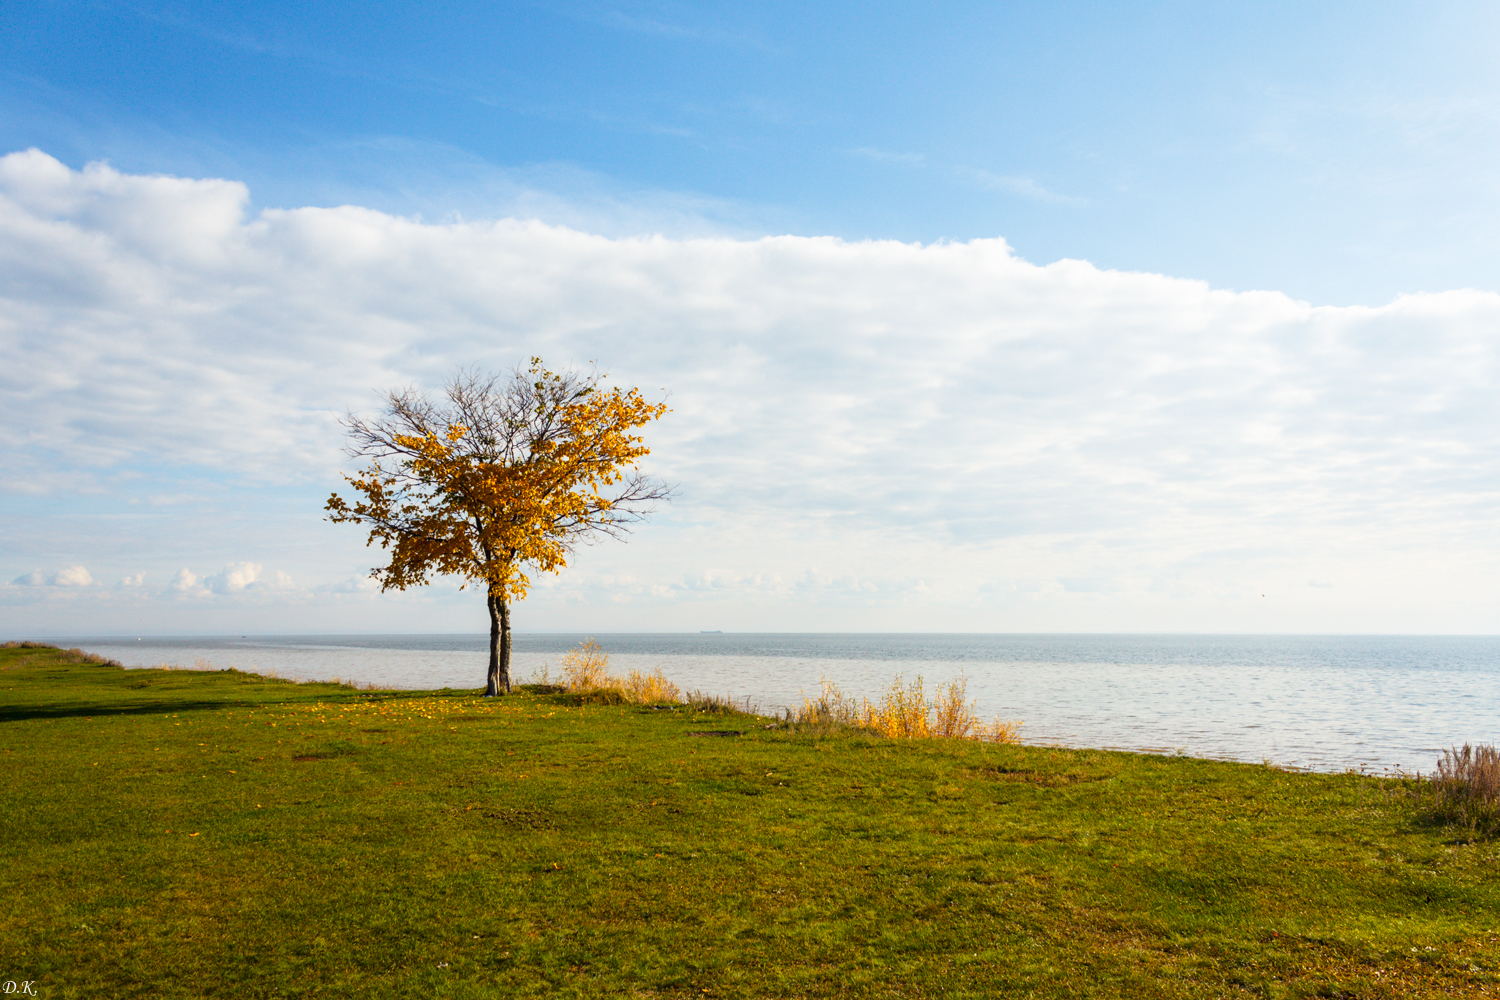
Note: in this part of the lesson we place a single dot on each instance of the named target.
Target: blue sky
(972, 317)
(1339, 152)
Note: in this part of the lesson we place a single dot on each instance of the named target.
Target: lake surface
(1319, 702)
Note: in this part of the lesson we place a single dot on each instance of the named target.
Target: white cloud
(946, 436)
(185, 582)
(133, 580)
(234, 578)
(68, 576)
(235, 581)
(71, 576)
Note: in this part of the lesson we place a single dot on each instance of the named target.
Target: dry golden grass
(586, 672)
(953, 714)
(586, 668)
(998, 730)
(649, 689)
(831, 710)
(700, 701)
(1466, 788)
(903, 712)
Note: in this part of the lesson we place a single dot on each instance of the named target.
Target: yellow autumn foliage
(499, 482)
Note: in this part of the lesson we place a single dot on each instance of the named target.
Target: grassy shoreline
(206, 834)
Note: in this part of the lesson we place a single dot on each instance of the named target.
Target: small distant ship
(710, 631)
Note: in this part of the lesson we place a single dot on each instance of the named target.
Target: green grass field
(195, 834)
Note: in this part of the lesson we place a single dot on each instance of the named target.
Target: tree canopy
(501, 478)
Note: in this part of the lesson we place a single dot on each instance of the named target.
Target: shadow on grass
(12, 713)
(92, 709)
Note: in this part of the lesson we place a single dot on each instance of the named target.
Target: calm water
(1319, 702)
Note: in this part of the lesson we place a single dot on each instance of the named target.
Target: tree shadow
(91, 709)
(85, 710)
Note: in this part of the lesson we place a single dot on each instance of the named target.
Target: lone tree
(510, 471)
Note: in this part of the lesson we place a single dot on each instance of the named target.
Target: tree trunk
(498, 680)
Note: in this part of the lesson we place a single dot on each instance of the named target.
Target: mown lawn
(186, 834)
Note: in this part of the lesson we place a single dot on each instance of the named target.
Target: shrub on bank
(1465, 791)
(586, 673)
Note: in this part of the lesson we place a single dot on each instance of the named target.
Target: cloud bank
(865, 435)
